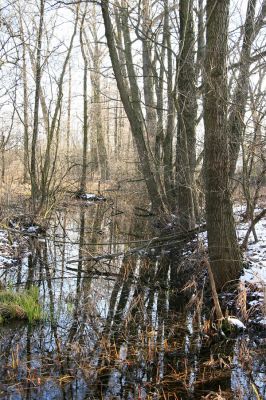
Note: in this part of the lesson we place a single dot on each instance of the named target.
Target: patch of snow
(236, 322)
(6, 261)
(32, 229)
(253, 302)
(92, 197)
(262, 321)
(256, 252)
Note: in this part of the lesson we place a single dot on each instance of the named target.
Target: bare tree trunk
(68, 115)
(97, 115)
(187, 115)
(45, 111)
(116, 133)
(237, 115)
(251, 228)
(99, 155)
(200, 39)
(223, 248)
(45, 178)
(132, 106)
(3, 166)
(168, 140)
(159, 106)
(83, 180)
(148, 81)
(25, 106)
(33, 166)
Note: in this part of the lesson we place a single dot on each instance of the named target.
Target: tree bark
(187, 115)
(223, 248)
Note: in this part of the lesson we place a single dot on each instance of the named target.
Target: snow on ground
(256, 252)
(92, 197)
(6, 250)
(255, 256)
(236, 322)
(32, 229)
(254, 275)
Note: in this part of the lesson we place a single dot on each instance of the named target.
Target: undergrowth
(24, 305)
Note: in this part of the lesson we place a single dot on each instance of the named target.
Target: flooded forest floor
(124, 315)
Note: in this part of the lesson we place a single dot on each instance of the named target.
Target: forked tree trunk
(223, 248)
(132, 105)
(46, 169)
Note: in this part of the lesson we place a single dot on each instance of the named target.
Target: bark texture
(222, 241)
(187, 115)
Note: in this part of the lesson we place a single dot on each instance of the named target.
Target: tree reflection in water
(117, 328)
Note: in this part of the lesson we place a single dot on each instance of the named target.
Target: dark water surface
(114, 328)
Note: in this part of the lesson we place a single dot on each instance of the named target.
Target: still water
(117, 327)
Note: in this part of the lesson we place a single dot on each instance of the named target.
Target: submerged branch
(166, 241)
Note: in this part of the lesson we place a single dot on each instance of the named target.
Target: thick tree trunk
(222, 241)
(187, 115)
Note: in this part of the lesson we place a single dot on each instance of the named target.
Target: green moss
(22, 305)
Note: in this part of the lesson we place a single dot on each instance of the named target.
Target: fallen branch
(166, 241)
(251, 228)
(215, 297)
